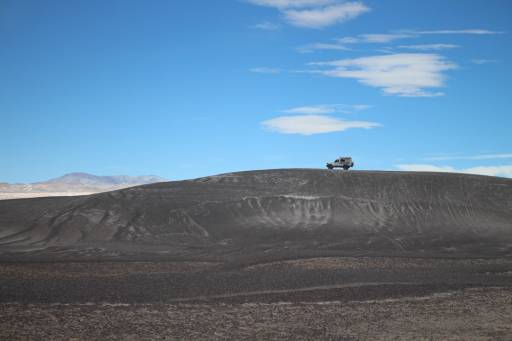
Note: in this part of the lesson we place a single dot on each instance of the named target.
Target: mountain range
(74, 184)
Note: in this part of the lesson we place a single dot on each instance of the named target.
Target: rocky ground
(331, 298)
(471, 314)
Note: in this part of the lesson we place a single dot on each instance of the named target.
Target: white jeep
(344, 162)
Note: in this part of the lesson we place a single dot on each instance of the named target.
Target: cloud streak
(341, 43)
(327, 109)
(484, 61)
(266, 26)
(267, 70)
(322, 46)
(282, 4)
(476, 31)
(313, 124)
(402, 74)
(385, 38)
(381, 37)
(325, 16)
(429, 47)
(315, 13)
(504, 171)
(471, 157)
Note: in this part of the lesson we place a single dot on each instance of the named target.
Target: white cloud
(429, 47)
(313, 124)
(505, 171)
(268, 70)
(315, 13)
(375, 38)
(348, 40)
(317, 109)
(383, 38)
(477, 31)
(390, 37)
(266, 25)
(322, 46)
(471, 157)
(327, 109)
(425, 168)
(363, 38)
(361, 106)
(291, 3)
(325, 16)
(403, 74)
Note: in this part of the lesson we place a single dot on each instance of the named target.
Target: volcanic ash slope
(257, 211)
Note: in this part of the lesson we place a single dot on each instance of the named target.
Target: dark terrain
(276, 254)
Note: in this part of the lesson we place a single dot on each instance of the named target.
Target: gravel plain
(472, 314)
(331, 298)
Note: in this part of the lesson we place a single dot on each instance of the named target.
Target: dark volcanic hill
(291, 210)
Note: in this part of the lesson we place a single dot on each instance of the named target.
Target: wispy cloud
(313, 124)
(325, 16)
(266, 26)
(382, 38)
(291, 3)
(429, 47)
(403, 74)
(375, 38)
(348, 40)
(470, 157)
(322, 46)
(315, 13)
(327, 109)
(267, 70)
(389, 37)
(504, 171)
(484, 61)
(418, 167)
(477, 31)
(341, 43)
(361, 106)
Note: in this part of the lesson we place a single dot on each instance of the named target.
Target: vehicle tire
(346, 167)
(330, 167)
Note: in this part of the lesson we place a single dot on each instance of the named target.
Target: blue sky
(184, 89)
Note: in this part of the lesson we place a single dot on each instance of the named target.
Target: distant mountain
(85, 179)
(74, 184)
